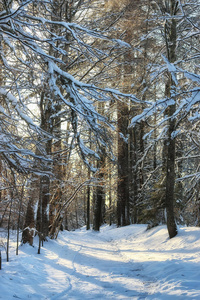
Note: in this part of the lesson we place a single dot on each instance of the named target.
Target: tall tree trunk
(8, 229)
(134, 172)
(170, 36)
(21, 195)
(29, 225)
(43, 207)
(99, 195)
(88, 205)
(99, 202)
(44, 181)
(58, 170)
(110, 194)
(170, 180)
(98, 206)
(123, 164)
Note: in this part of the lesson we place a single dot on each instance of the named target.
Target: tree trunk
(30, 226)
(170, 180)
(46, 112)
(170, 37)
(98, 208)
(123, 166)
(99, 196)
(43, 207)
(88, 205)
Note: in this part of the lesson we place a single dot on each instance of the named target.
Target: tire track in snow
(149, 284)
(145, 285)
(69, 288)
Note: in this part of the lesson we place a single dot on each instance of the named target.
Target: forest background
(99, 115)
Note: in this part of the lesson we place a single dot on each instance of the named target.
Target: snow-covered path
(97, 269)
(117, 263)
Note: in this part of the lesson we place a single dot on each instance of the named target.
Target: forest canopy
(99, 114)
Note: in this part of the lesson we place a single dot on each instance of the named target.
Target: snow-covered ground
(117, 263)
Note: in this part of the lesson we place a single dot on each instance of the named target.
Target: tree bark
(88, 205)
(99, 196)
(123, 166)
(171, 39)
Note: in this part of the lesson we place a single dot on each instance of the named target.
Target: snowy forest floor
(117, 263)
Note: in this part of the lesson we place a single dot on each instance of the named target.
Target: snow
(117, 263)
(171, 69)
